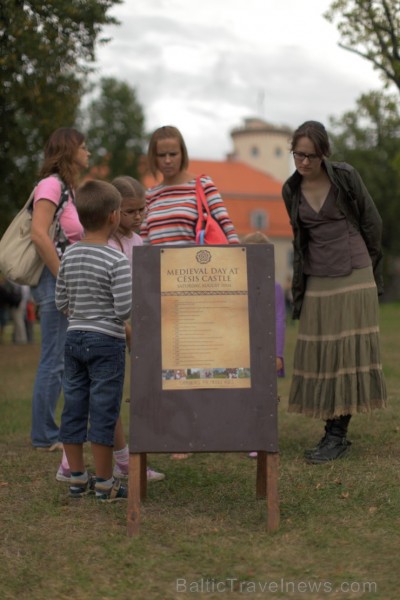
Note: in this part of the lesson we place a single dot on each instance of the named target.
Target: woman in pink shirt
(65, 157)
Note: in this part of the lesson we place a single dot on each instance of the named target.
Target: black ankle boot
(339, 425)
(317, 447)
(333, 445)
(328, 427)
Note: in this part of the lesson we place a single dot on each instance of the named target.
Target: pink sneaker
(121, 470)
(63, 475)
(154, 475)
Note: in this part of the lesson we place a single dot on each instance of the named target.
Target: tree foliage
(371, 29)
(46, 49)
(115, 132)
(369, 139)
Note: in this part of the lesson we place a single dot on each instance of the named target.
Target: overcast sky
(205, 65)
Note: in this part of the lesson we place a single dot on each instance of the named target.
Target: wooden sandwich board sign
(203, 375)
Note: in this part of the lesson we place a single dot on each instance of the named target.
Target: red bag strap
(202, 203)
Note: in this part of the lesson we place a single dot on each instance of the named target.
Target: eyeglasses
(133, 211)
(301, 156)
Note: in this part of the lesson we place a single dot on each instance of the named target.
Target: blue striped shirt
(94, 286)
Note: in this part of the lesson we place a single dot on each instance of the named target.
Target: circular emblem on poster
(203, 257)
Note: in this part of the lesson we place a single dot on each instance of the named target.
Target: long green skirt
(337, 364)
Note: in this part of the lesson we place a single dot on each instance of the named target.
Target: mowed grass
(203, 532)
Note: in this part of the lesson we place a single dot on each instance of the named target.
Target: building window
(254, 151)
(278, 152)
(259, 220)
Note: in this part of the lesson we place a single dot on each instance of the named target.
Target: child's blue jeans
(93, 384)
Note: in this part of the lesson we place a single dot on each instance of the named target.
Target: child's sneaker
(111, 493)
(121, 470)
(63, 474)
(154, 475)
(80, 486)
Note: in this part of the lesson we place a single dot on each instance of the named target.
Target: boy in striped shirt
(94, 287)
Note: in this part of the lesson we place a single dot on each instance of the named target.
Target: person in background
(3, 313)
(95, 341)
(287, 292)
(10, 298)
(280, 314)
(337, 276)
(18, 315)
(65, 157)
(171, 206)
(30, 319)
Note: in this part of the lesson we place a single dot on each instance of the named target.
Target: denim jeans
(93, 386)
(47, 388)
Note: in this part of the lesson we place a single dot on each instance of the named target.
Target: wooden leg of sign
(135, 489)
(267, 486)
(143, 476)
(261, 485)
(273, 516)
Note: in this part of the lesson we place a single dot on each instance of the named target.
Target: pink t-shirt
(127, 245)
(50, 189)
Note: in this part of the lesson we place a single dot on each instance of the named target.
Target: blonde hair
(129, 187)
(166, 132)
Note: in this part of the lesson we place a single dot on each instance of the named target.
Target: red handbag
(208, 230)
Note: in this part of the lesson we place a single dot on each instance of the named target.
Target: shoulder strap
(202, 204)
(29, 203)
(60, 239)
(63, 200)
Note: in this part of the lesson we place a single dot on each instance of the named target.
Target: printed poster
(204, 318)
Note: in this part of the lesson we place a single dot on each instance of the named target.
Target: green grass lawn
(202, 529)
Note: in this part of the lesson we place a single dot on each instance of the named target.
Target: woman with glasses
(337, 276)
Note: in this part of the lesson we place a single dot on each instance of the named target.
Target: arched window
(254, 151)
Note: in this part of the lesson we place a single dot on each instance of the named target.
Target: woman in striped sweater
(171, 214)
(171, 206)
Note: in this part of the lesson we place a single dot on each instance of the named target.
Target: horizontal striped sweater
(171, 213)
(94, 286)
